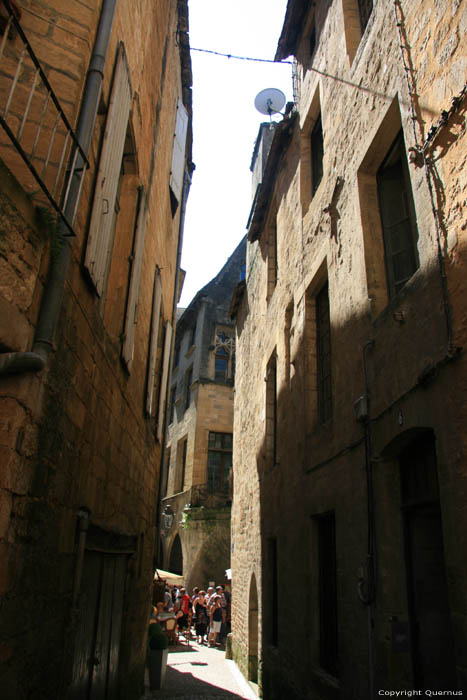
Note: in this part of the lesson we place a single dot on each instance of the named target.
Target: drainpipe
(368, 597)
(18, 362)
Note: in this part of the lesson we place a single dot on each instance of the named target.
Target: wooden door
(433, 649)
(95, 672)
(430, 619)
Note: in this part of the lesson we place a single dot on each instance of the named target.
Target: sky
(225, 125)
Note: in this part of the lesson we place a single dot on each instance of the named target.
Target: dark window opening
(219, 462)
(365, 8)
(397, 217)
(323, 355)
(183, 465)
(312, 40)
(271, 411)
(317, 153)
(173, 396)
(221, 365)
(328, 657)
(193, 336)
(165, 486)
(189, 380)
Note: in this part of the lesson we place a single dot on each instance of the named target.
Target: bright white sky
(225, 125)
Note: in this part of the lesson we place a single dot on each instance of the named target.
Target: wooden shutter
(178, 153)
(156, 314)
(101, 226)
(397, 218)
(133, 293)
(165, 374)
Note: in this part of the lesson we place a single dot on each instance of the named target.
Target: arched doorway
(253, 632)
(176, 557)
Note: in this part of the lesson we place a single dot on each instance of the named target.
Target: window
(183, 464)
(178, 156)
(188, 383)
(133, 292)
(173, 396)
(271, 411)
(154, 350)
(317, 151)
(327, 584)
(221, 365)
(397, 217)
(312, 44)
(311, 151)
(365, 8)
(272, 258)
(224, 346)
(219, 462)
(164, 380)
(101, 228)
(323, 355)
(356, 16)
(165, 486)
(192, 336)
(177, 355)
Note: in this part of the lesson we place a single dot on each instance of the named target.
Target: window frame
(226, 453)
(394, 285)
(188, 383)
(317, 154)
(323, 355)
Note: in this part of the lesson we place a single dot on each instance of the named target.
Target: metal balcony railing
(35, 123)
(210, 495)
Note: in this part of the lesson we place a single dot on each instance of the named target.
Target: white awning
(169, 577)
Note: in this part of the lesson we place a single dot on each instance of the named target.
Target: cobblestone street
(196, 672)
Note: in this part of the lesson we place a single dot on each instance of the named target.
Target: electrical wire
(243, 58)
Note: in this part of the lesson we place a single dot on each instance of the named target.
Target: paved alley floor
(196, 672)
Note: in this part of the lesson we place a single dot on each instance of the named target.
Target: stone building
(197, 485)
(349, 515)
(95, 152)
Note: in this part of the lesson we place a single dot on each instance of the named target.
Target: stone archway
(176, 557)
(253, 632)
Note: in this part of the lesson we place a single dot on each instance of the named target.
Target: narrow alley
(233, 333)
(195, 671)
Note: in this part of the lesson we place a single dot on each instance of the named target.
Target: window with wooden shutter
(178, 155)
(397, 217)
(153, 344)
(165, 375)
(102, 217)
(135, 277)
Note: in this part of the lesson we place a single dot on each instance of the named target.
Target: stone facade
(198, 456)
(80, 425)
(349, 508)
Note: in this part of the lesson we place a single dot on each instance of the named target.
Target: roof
(292, 28)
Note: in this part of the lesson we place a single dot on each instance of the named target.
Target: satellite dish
(269, 101)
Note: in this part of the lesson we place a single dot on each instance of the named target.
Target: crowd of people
(205, 614)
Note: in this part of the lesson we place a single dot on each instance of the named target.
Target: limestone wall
(77, 435)
(365, 95)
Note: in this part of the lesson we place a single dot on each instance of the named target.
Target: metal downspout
(51, 303)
